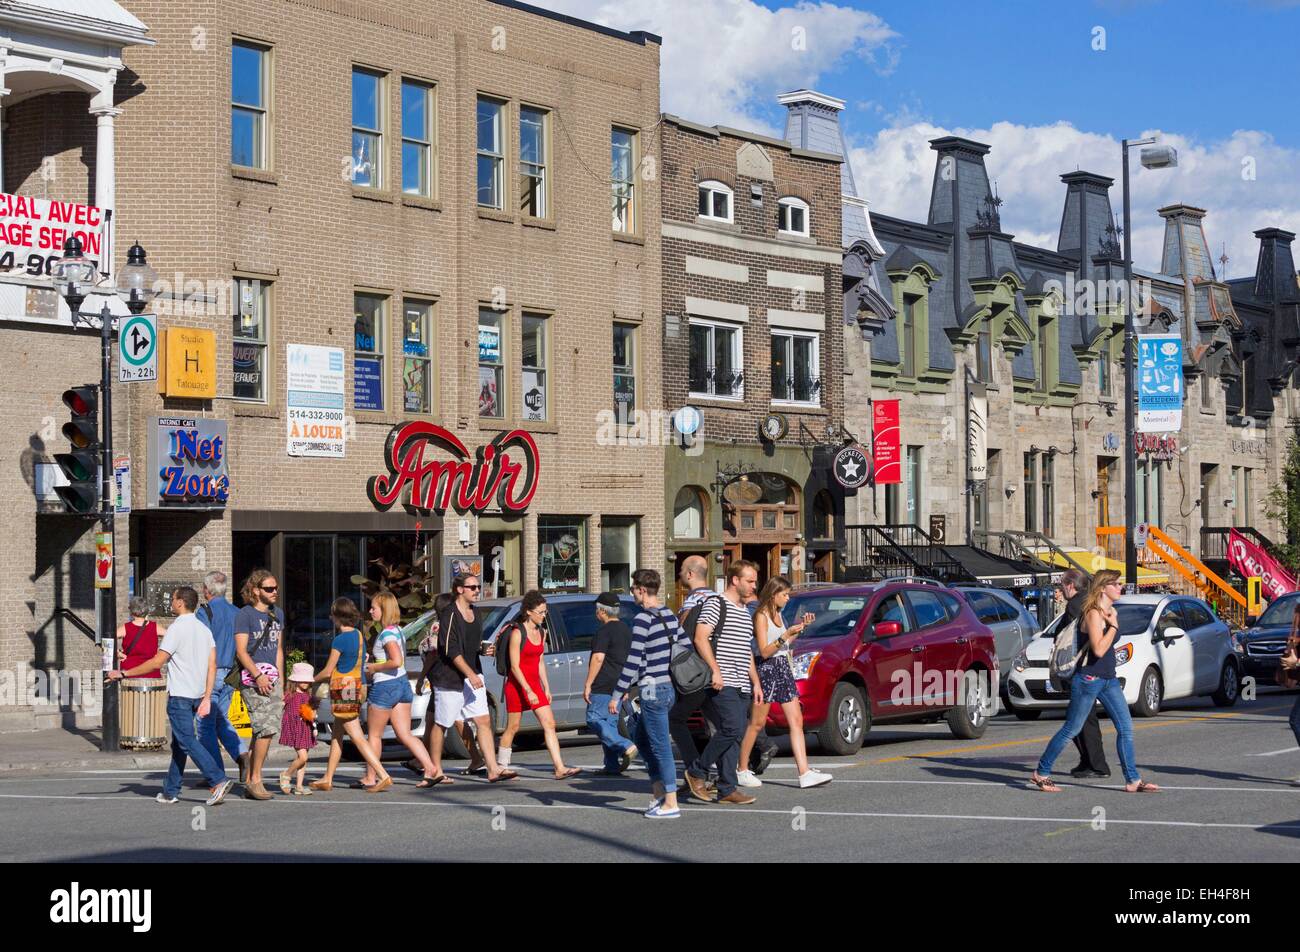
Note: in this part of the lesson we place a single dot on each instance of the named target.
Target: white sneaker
(814, 778)
(746, 778)
(219, 792)
(163, 798)
(658, 812)
(656, 802)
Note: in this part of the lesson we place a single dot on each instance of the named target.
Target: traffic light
(81, 466)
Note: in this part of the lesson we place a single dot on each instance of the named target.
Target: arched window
(688, 513)
(715, 201)
(823, 516)
(792, 217)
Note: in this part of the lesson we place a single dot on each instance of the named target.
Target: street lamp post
(1158, 158)
(74, 275)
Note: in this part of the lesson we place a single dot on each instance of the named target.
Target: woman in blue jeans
(1096, 680)
(654, 632)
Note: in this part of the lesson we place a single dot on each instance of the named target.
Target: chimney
(1087, 223)
(1275, 275)
(1187, 254)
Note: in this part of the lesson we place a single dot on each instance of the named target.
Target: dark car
(890, 652)
(1265, 639)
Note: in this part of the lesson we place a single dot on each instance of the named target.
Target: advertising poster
(1160, 383)
(886, 442)
(315, 401)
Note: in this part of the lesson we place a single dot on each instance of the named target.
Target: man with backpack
(724, 639)
(1073, 588)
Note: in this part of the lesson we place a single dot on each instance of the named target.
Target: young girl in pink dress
(298, 727)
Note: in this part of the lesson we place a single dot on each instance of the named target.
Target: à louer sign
(468, 483)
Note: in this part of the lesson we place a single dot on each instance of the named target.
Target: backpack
(1065, 659)
(502, 654)
(690, 672)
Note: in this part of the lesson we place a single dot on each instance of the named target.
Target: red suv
(895, 651)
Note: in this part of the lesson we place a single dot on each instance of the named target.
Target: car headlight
(1124, 653)
(1021, 663)
(803, 664)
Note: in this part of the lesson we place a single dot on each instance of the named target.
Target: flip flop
(1143, 787)
(504, 776)
(571, 772)
(1045, 784)
(428, 782)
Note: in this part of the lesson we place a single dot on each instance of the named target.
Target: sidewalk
(61, 749)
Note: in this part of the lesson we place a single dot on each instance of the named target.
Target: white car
(1168, 647)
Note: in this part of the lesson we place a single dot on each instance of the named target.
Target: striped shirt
(734, 644)
(653, 633)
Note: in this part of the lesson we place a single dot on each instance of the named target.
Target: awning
(996, 570)
(1092, 562)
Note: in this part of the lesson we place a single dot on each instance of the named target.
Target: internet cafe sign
(188, 463)
(502, 474)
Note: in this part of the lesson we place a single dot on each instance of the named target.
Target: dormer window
(792, 217)
(715, 202)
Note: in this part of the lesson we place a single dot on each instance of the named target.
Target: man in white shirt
(190, 655)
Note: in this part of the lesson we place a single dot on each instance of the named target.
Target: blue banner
(1160, 383)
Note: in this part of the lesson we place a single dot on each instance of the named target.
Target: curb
(129, 761)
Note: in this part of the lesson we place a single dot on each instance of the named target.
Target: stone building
(752, 348)
(385, 237)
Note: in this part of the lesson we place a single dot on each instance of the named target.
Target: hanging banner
(315, 401)
(886, 442)
(1249, 559)
(977, 432)
(33, 230)
(103, 560)
(1160, 383)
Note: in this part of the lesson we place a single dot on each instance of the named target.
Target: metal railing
(1214, 541)
(898, 551)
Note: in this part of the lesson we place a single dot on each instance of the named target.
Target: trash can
(142, 713)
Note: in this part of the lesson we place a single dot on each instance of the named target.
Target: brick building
(429, 215)
(752, 348)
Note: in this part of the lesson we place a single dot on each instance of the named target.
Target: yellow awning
(1093, 562)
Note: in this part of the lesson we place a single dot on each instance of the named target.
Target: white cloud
(724, 61)
(895, 170)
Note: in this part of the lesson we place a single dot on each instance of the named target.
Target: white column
(105, 179)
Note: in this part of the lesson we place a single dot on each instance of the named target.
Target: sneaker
(163, 798)
(746, 778)
(656, 802)
(219, 792)
(765, 758)
(628, 755)
(657, 812)
(738, 798)
(814, 778)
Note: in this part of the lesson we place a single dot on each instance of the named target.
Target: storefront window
(618, 548)
(562, 551)
(688, 514)
(491, 369)
(417, 317)
(500, 541)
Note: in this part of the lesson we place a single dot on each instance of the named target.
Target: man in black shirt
(1073, 588)
(609, 651)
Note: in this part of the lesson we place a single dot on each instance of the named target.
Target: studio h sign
(466, 483)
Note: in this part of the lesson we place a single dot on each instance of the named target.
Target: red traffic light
(82, 401)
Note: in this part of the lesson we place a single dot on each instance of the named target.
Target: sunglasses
(471, 588)
(270, 588)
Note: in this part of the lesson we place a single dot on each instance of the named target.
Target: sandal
(1143, 787)
(301, 792)
(381, 786)
(503, 776)
(569, 772)
(321, 785)
(1045, 784)
(428, 782)
(285, 778)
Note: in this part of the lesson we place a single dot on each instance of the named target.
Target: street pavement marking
(1274, 753)
(370, 804)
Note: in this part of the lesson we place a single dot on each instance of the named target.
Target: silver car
(1012, 624)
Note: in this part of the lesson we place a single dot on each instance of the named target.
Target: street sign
(852, 468)
(1140, 534)
(938, 528)
(122, 484)
(137, 349)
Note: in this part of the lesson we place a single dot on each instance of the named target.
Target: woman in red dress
(139, 638)
(526, 687)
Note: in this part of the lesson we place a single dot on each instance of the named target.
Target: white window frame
(783, 217)
(629, 223)
(262, 317)
(261, 114)
(713, 187)
(426, 144)
(499, 365)
(539, 169)
(378, 353)
(498, 157)
(423, 363)
(378, 160)
(737, 356)
(541, 367)
(816, 363)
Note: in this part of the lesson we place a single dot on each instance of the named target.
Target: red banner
(886, 442)
(1249, 559)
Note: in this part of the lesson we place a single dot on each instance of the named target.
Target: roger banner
(1249, 559)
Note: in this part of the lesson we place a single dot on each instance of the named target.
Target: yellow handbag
(348, 688)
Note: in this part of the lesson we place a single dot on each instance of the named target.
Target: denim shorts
(388, 694)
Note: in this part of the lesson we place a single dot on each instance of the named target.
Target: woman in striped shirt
(654, 631)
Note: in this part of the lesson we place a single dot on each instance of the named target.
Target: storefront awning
(996, 570)
(1091, 562)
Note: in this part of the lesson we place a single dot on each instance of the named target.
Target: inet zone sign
(137, 349)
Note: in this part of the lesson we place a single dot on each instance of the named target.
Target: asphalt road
(914, 793)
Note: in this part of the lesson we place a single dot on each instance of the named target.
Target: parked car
(889, 652)
(1169, 647)
(1264, 638)
(571, 625)
(1012, 626)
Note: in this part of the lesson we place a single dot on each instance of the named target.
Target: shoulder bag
(690, 672)
(237, 671)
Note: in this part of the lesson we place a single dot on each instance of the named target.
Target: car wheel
(847, 721)
(969, 719)
(1229, 686)
(1027, 713)
(1150, 694)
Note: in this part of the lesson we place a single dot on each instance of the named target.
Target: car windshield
(1134, 619)
(837, 615)
(1280, 612)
